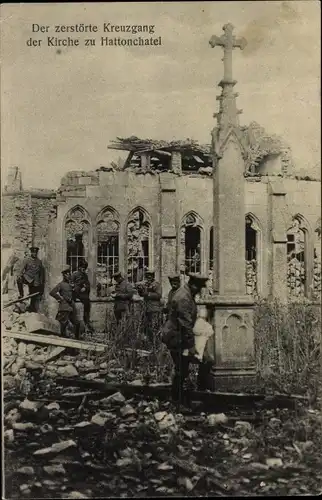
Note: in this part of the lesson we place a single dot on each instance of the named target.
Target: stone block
(39, 323)
(168, 232)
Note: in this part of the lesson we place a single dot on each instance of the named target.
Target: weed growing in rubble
(132, 351)
(287, 346)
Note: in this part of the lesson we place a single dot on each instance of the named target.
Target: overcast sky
(59, 111)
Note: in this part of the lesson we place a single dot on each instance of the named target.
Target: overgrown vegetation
(287, 348)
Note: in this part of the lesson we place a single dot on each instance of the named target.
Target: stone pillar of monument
(232, 308)
(277, 227)
(168, 229)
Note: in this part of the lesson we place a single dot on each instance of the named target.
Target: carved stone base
(232, 380)
(232, 320)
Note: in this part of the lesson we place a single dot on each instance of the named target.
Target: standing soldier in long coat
(123, 296)
(174, 280)
(151, 292)
(82, 288)
(178, 332)
(64, 294)
(32, 274)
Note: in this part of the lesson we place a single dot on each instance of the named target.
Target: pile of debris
(251, 276)
(79, 446)
(296, 277)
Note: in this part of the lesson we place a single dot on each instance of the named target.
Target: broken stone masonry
(167, 208)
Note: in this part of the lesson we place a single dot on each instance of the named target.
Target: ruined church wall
(304, 198)
(195, 194)
(257, 206)
(16, 221)
(43, 212)
(123, 192)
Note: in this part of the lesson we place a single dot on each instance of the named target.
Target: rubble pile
(296, 277)
(13, 320)
(251, 277)
(317, 277)
(120, 447)
(65, 442)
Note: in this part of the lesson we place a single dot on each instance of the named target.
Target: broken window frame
(193, 220)
(211, 249)
(143, 258)
(78, 217)
(254, 259)
(107, 251)
(302, 226)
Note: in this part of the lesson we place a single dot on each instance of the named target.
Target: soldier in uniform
(151, 292)
(63, 293)
(32, 274)
(82, 287)
(178, 332)
(174, 280)
(123, 296)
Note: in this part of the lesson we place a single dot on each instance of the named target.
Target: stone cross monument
(232, 308)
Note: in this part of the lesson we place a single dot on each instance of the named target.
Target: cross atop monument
(228, 42)
(228, 113)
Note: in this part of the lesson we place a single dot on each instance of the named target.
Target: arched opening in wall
(251, 257)
(192, 249)
(317, 261)
(77, 227)
(190, 244)
(211, 249)
(297, 259)
(107, 250)
(139, 245)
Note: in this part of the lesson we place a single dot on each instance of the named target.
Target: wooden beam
(22, 299)
(214, 400)
(222, 399)
(36, 338)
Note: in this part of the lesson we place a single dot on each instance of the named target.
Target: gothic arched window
(297, 258)
(77, 227)
(252, 250)
(211, 249)
(139, 244)
(107, 230)
(190, 243)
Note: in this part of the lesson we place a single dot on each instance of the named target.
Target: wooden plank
(59, 341)
(215, 400)
(163, 391)
(22, 299)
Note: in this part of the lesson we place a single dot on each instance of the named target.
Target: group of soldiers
(175, 320)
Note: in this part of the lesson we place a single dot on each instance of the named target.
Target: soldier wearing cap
(32, 274)
(174, 280)
(123, 296)
(63, 293)
(82, 288)
(151, 292)
(178, 331)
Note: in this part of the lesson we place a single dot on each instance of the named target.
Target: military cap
(117, 274)
(34, 249)
(198, 277)
(174, 277)
(66, 269)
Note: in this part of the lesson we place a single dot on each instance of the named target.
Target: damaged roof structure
(155, 155)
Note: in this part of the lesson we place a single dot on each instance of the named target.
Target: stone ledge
(168, 232)
(279, 237)
(229, 300)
